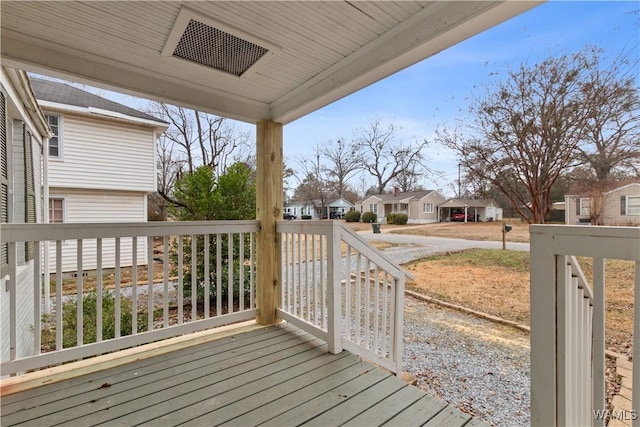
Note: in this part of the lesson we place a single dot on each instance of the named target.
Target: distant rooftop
(62, 93)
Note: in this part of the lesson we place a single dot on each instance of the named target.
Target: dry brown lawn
(470, 230)
(497, 283)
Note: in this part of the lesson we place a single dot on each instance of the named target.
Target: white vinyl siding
(100, 207)
(100, 154)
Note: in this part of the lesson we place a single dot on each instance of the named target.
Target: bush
(352, 216)
(369, 217)
(89, 304)
(401, 219)
(305, 217)
(391, 218)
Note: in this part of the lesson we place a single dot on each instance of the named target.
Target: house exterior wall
(578, 207)
(365, 205)
(417, 214)
(100, 206)
(103, 154)
(17, 115)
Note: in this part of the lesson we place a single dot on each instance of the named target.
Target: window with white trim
(585, 206)
(427, 207)
(55, 142)
(56, 210)
(373, 207)
(633, 205)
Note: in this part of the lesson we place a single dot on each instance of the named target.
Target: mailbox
(507, 227)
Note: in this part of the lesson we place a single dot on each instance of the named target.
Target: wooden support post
(269, 201)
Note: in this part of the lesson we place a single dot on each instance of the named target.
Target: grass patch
(497, 282)
(516, 260)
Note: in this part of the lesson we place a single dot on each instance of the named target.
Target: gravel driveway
(481, 367)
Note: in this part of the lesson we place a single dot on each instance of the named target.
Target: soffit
(318, 52)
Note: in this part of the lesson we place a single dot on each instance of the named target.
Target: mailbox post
(505, 229)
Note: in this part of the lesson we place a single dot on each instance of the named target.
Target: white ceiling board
(328, 48)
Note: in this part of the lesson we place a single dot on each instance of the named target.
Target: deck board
(276, 376)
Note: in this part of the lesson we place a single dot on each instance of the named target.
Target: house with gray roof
(420, 206)
(101, 164)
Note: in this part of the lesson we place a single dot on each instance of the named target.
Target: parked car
(288, 216)
(459, 216)
(337, 215)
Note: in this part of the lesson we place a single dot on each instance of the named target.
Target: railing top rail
(305, 226)
(38, 232)
(583, 282)
(374, 254)
(590, 241)
(586, 230)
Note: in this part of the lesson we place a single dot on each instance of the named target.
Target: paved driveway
(415, 247)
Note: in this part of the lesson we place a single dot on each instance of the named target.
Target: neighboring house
(619, 205)
(420, 206)
(334, 208)
(23, 132)
(470, 210)
(298, 208)
(101, 167)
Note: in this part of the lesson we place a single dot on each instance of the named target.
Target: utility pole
(459, 191)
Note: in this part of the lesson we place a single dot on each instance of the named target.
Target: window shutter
(623, 205)
(4, 183)
(578, 206)
(30, 190)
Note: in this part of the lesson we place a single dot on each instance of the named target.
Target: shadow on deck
(277, 375)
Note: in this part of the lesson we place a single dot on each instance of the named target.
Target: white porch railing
(338, 287)
(568, 321)
(224, 274)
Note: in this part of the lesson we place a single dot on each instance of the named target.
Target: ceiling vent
(216, 45)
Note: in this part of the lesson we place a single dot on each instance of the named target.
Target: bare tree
(195, 139)
(313, 181)
(611, 141)
(525, 132)
(343, 161)
(385, 157)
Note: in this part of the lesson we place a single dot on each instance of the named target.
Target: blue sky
(435, 92)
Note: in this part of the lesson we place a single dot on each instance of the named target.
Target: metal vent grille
(209, 46)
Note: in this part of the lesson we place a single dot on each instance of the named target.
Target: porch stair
(277, 375)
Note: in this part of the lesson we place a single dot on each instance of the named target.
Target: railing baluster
(37, 297)
(134, 285)
(194, 277)
(347, 293)
(251, 271)
(314, 282)
(98, 290)
(218, 274)
(230, 262)
(150, 303)
(297, 289)
(367, 307)
(12, 258)
(286, 288)
(308, 283)
(165, 268)
(323, 283)
(376, 310)
(79, 290)
(241, 271)
(385, 313)
(334, 340)
(358, 319)
(207, 272)
(180, 279)
(117, 290)
(59, 326)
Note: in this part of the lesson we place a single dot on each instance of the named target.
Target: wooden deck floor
(277, 376)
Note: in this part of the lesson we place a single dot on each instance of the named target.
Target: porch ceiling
(317, 52)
